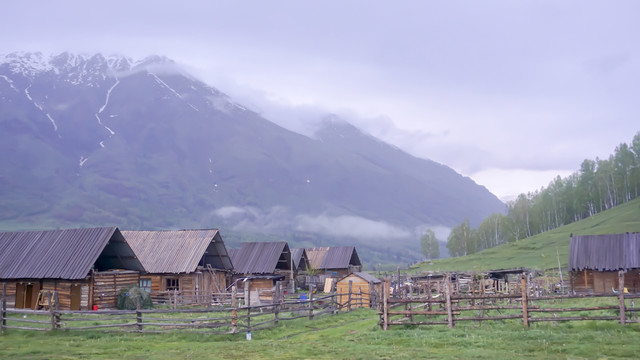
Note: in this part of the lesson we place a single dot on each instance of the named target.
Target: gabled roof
(605, 252)
(178, 251)
(261, 257)
(335, 257)
(365, 276)
(300, 258)
(63, 254)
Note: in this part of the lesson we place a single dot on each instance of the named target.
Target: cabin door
(20, 296)
(76, 296)
(605, 282)
(26, 295)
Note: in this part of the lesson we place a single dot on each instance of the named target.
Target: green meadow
(354, 335)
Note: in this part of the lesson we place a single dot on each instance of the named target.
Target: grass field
(352, 335)
(539, 252)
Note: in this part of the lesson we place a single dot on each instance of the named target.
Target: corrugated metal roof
(261, 257)
(63, 254)
(605, 252)
(299, 255)
(335, 257)
(178, 251)
(367, 277)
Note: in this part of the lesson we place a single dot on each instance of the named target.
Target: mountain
(96, 140)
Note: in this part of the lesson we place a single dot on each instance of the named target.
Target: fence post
(138, 315)
(621, 296)
(447, 294)
(311, 287)
(428, 290)
(525, 302)
(234, 310)
(51, 313)
(56, 301)
(349, 297)
(175, 298)
(247, 302)
(385, 305)
(276, 301)
(3, 323)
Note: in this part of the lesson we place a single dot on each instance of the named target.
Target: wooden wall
(106, 285)
(602, 282)
(64, 288)
(11, 294)
(191, 284)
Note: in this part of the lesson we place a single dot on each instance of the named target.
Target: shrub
(130, 296)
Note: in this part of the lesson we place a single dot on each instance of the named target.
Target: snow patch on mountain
(53, 122)
(27, 63)
(9, 81)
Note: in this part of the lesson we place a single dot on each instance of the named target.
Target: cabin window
(172, 284)
(145, 284)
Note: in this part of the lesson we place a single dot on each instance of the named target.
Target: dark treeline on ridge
(599, 185)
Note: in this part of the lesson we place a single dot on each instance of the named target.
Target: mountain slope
(539, 251)
(95, 140)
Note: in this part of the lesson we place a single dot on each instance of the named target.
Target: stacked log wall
(107, 285)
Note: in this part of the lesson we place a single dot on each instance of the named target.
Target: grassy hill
(539, 251)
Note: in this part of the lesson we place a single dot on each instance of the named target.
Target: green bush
(130, 296)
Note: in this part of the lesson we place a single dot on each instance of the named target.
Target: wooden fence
(234, 317)
(445, 308)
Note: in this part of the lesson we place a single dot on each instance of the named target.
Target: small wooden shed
(85, 267)
(594, 262)
(191, 263)
(362, 285)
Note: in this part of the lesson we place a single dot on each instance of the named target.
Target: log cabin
(335, 261)
(193, 264)
(261, 265)
(85, 267)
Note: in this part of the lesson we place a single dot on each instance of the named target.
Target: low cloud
(229, 211)
(350, 226)
(280, 218)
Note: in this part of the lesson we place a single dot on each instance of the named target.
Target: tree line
(598, 185)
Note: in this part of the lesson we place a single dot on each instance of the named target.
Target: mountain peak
(31, 64)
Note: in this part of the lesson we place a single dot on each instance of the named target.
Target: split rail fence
(446, 308)
(237, 316)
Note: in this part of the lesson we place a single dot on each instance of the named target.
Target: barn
(594, 262)
(85, 267)
(193, 264)
(360, 282)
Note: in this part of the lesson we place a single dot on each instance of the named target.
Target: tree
(462, 240)
(430, 245)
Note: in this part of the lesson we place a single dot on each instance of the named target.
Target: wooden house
(85, 267)
(363, 285)
(261, 265)
(191, 263)
(594, 262)
(335, 261)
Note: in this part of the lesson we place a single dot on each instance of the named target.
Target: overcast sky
(510, 93)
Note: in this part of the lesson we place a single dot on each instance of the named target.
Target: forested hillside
(598, 185)
(543, 251)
